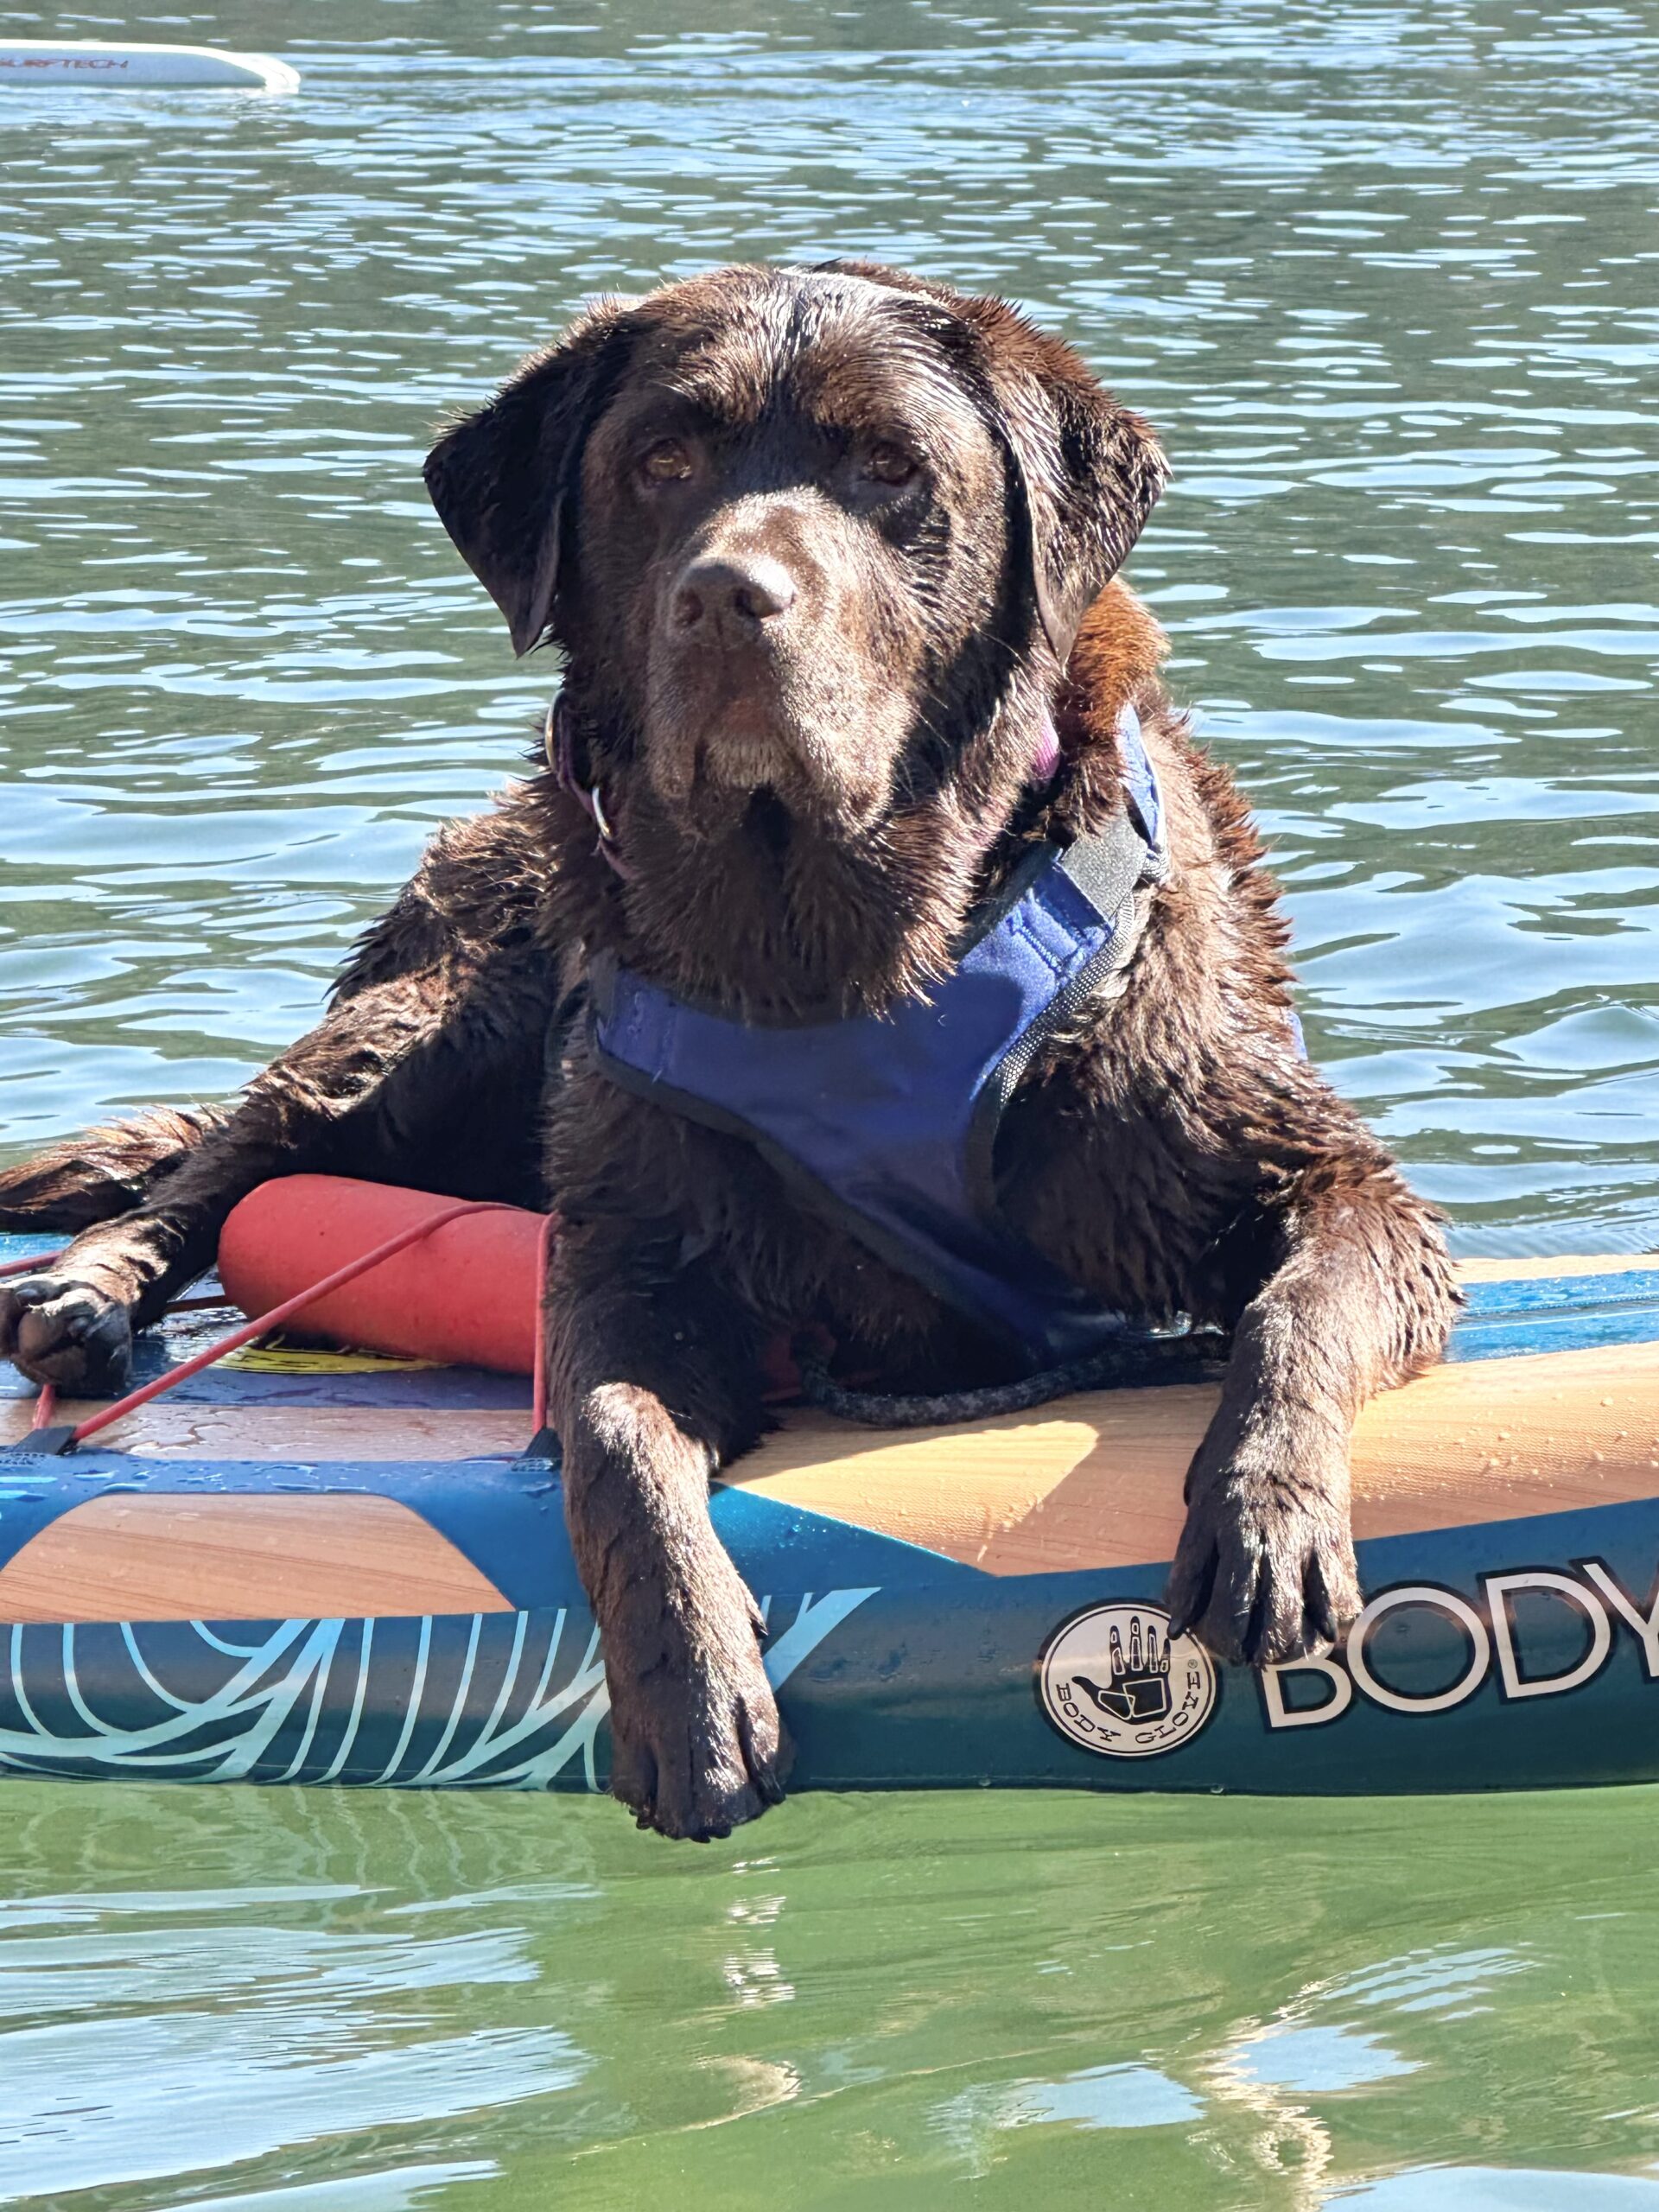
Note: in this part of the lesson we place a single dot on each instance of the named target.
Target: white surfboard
(53, 65)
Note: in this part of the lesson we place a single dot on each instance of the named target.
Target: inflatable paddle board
(38, 64)
(334, 1567)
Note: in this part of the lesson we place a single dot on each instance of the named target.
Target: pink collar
(1046, 758)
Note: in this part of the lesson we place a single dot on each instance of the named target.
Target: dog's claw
(719, 1772)
(698, 1748)
(1263, 1574)
(69, 1334)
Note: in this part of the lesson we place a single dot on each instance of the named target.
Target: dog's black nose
(750, 588)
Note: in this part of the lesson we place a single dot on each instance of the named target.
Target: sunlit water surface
(1386, 277)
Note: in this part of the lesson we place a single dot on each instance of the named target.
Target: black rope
(1147, 1360)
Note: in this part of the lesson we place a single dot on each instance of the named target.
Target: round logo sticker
(1114, 1681)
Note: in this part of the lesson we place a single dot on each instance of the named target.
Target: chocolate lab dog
(830, 558)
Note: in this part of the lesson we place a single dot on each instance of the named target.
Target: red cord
(277, 1314)
(46, 1403)
(27, 1267)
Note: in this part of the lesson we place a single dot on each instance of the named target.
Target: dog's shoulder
(480, 890)
(1216, 937)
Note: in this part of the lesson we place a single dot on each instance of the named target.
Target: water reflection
(233, 1993)
(155, 2034)
(1477, 2189)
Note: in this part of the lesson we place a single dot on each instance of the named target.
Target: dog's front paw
(698, 1747)
(70, 1334)
(1265, 1569)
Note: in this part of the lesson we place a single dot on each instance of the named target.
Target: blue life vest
(887, 1122)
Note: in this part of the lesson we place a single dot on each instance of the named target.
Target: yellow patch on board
(275, 1357)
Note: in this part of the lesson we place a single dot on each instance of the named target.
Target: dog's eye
(668, 461)
(889, 464)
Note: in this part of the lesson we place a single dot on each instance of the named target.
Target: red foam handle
(467, 1294)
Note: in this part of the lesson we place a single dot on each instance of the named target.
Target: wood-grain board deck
(1090, 1482)
(349, 1556)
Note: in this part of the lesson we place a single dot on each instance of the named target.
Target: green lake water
(1387, 276)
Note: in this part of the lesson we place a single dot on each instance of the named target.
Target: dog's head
(799, 532)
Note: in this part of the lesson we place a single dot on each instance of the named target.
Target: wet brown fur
(1170, 1150)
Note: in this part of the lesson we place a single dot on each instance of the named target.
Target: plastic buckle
(43, 1443)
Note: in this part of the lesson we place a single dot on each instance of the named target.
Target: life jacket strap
(888, 1124)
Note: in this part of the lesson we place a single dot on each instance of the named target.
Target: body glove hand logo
(1114, 1681)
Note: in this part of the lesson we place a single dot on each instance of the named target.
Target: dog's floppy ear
(1090, 471)
(1087, 472)
(503, 479)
